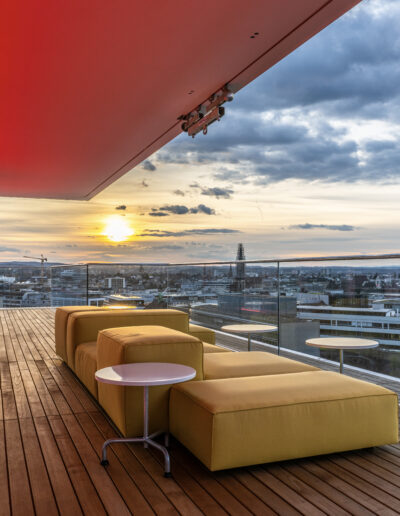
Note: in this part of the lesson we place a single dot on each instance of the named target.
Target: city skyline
(304, 163)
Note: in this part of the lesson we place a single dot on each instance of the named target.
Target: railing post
(279, 306)
(87, 284)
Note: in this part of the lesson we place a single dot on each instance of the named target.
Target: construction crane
(42, 260)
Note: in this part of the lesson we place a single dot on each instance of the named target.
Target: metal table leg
(341, 361)
(248, 342)
(147, 439)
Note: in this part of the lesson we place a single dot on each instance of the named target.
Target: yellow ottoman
(143, 344)
(237, 422)
(250, 363)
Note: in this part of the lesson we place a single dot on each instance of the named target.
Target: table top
(249, 328)
(145, 374)
(342, 343)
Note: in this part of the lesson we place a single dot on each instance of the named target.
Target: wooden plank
(5, 509)
(83, 486)
(52, 387)
(21, 401)
(109, 495)
(147, 474)
(386, 488)
(64, 493)
(267, 495)
(207, 480)
(367, 494)
(20, 492)
(324, 482)
(285, 491)
(42, 493)
(120, 474)
(7, 393)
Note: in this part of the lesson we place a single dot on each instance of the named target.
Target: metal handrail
(232, 262)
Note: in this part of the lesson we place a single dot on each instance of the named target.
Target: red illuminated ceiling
(89, 89)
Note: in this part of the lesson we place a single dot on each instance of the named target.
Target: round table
(249, 330)
(342, 343)
(145, 374)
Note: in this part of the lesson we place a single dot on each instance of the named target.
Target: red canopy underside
(89, 89)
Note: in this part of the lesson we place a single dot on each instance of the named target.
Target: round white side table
(145, 374)
(342, 343)
(249, 330)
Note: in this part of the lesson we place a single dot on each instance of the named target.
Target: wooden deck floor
(51, 433)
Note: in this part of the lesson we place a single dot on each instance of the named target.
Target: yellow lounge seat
(61, 321)
(204, 334)
(237, 422)
(213, 348)
(250, 363)
(143, 344)
(86, 365)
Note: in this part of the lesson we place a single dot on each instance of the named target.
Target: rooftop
(52, 431)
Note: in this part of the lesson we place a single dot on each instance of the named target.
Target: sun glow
(117, 229)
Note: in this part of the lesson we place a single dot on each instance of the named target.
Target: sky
(306, 162)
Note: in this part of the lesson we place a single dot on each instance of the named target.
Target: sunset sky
(306, 161)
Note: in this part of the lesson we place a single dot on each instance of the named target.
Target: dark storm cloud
(206, 231)
(148, 165)
(330, 227)
(349, 72)
(121, 207)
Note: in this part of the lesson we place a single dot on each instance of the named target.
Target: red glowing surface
(90, 89)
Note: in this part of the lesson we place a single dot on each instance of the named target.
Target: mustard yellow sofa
(99, 318)
(241, 409)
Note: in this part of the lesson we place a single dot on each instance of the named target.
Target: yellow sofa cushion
(242, 421)
(86, 365)
(61, 320)
(143, 344)
(84, 327)
(204, 334)
(213, 348)
(250, 363)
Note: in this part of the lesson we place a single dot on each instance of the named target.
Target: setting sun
(117, 229)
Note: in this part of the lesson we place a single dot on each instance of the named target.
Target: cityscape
(305, 300)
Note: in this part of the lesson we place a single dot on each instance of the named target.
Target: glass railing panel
(24, 286)
(69, 285)
(216, 296)
(343, 298)
(126, 285)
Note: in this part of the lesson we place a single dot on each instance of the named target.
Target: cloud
(206, 231)
(331, 227)
(158, 214)
(121, 207)
(202, 208)
(176, 209)
(145, 184)
(148, 165)
(179, 192)
(179, 209)
(4, 249)
(308, 117)
(224, 193)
